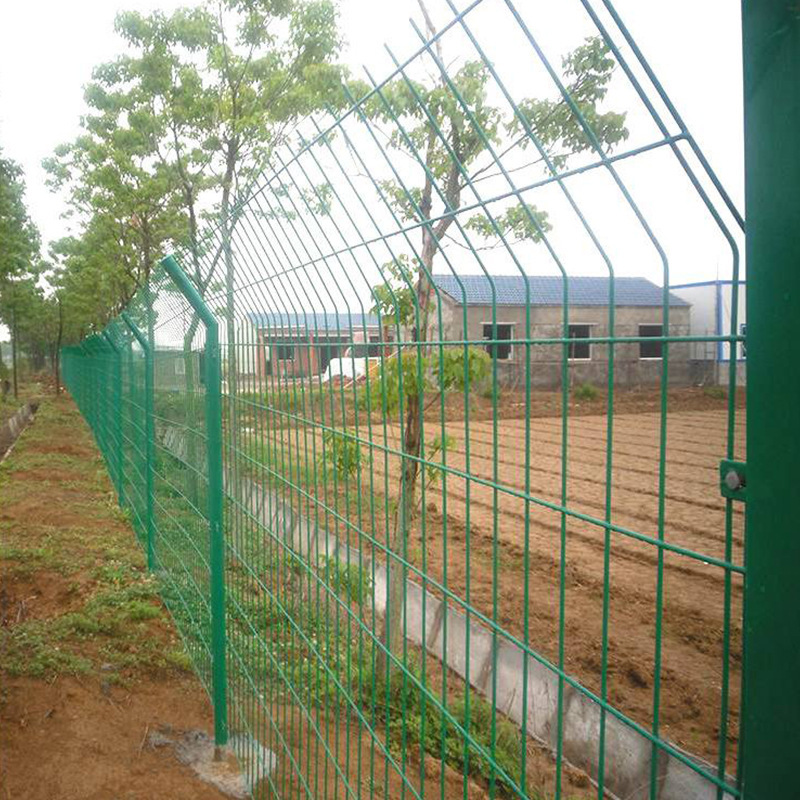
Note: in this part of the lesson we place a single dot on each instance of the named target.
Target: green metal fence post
(118, 416)
(149, 434)
(89, 389)
(101, 363)
(771, 33)
(213, 379)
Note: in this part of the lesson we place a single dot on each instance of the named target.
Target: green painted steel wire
(149, 436)
(222, 487)
(215, 496)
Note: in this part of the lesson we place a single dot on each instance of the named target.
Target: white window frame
(588, 325)
(639, 334)
(510, 346)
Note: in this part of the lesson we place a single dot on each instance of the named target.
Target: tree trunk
(230, 300)
(191, 381)
(57, 360)
(14, 350)
(406, 511)
(191, 416)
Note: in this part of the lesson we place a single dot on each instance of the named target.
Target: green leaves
(341, 453)
(457, 135)
(19, 250)
(438, 371)
(437, 447)
(22, 301)
(179, 127)
(562, 125)
(459, 369)
(395, 298)
(520, 222)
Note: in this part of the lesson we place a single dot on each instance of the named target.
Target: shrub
(347, 580)
(341, 453)
(585, 391)
(715, 392)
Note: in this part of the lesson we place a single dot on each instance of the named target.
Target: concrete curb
(444, 632)
(12, 428)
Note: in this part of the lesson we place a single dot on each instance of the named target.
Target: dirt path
(89, 662)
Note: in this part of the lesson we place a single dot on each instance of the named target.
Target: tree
(19, 249)
(456, 136)
(216, 88)
(19, 236)
(125, 200)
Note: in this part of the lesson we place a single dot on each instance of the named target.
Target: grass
(112, 623)
(585, 391)
(414, 722)
(715, 392)
(490, 755)
(106, 616)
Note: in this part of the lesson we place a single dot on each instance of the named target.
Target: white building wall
(712, 314)
(702, 317)
(726, 297)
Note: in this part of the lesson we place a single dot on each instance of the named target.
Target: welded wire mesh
(470, 497)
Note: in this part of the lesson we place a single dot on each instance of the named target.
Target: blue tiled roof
(314, 320)
(546, 290)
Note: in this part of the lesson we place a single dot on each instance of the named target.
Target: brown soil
(511, 404)
(74, 733)
(508, 557)
(78, 734)
(75, 739)
(82, 733)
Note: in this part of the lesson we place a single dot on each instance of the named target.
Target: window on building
(371, 349)
(743, 332)
(650, 349)
(284, 351)
(375, 346)
(180, 366)
(499, 347)
(580, 351)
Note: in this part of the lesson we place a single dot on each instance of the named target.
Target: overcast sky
(48, 49)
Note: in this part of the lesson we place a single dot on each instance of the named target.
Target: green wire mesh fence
(410, 443)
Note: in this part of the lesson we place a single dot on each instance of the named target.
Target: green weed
(585, 391)
(346, 580)
(341, 453)
(715, 392)
(30, 649)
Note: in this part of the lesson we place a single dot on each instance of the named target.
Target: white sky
(48, 49)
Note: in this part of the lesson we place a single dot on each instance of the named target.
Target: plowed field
(506, 530)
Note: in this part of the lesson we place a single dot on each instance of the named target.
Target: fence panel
(419, 453)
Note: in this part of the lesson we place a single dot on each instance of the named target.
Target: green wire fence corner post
(120, 466)
(149, 434)
(771, 33)
(213, 380)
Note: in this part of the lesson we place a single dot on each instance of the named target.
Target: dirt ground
(89, 662)
(508, 557)
(505, 528)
